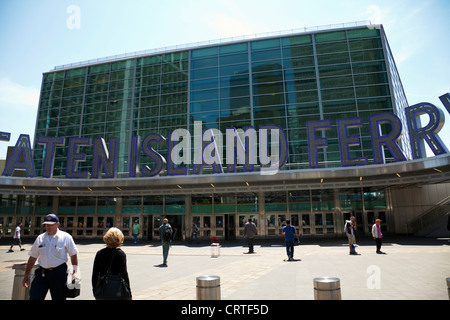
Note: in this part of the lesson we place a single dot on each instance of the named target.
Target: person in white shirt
(377, 235)
(349, 229)
(51, 250)
(16, 238)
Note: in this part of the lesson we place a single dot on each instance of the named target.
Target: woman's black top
(102, 262)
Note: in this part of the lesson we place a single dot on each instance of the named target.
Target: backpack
(347, 225)
(167, 236)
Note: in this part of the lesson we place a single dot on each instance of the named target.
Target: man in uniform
(51, 249)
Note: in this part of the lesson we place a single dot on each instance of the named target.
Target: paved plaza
(413, 268)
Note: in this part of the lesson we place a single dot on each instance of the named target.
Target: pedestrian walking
(136, 230)
(289, 233)
(51, 250)
(250, 232)
(16, 238)
(166, 235)
(349, 229)
(194, 232)
(111, 260)
(377, 235)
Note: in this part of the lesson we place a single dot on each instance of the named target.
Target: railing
(217, 41)
(430, 216)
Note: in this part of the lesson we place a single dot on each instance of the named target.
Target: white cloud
(16, 96)
(18, 107)
(228, 26)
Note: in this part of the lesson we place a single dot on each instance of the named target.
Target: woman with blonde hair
(110, 260)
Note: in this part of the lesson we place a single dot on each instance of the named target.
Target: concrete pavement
(413, 268)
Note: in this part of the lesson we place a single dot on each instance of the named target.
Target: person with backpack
(289, 233)
(194, 232)
(166, 235)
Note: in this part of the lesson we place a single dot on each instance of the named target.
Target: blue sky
(36, 36)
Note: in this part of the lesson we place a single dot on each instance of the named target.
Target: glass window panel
(294, 63)
(204, 84)
(367, 55)
(367, 67)
(330, 36)
(336, 82)
(297, 51)
(205, 63)
(322, 199)
(267, 66)
(331, 47)
(233, 48)
(372, 91)
(292, 74)
(267, 88)
(374, 198)
(235, 80)
(149, 60)
(372, 78)
(271, 112)
(124, 64)
(335, 58)
(235, 103)
(233, 59)
(232, 92)
(363, 33)
(176, 56)
(365, 44)
(75, 72)
(270, 76)
(206, 116)
(318, 219)
(265, 44)
(337, 94)
(204, 95)
(268, 100)
(301, 85)
(306, 220)
(198, 53)
(350, 199)
(204, 73)
(233, 69)
(335, 70)
(204, 106)
(99, 68)
(296, 40)
(375, 104)
(339, 106)
(302, 96)
(266, 55)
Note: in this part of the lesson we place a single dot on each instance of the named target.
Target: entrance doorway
(230, 227)
(176, 221)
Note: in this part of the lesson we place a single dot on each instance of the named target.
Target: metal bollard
(208, 288)
(215, 250)
(327, 288)
(19, 292)
(448, 287)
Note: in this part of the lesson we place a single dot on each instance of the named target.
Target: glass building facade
(285, 80)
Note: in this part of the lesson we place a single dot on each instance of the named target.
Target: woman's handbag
(111, 286)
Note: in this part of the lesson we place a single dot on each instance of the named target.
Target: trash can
(215, 247)
(208, 288)
(19, 292)
(327, 288)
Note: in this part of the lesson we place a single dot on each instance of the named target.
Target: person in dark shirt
(289, 233)
(113, 239)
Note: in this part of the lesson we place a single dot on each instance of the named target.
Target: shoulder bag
(111, 286)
